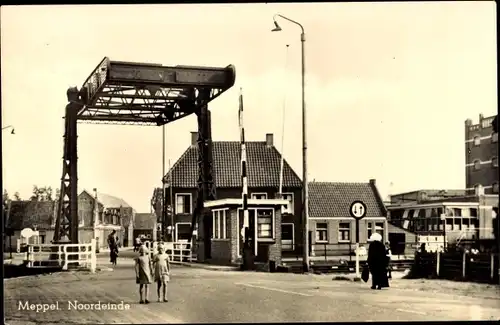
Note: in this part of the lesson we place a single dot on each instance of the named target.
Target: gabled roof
(109, 201)
(329, 199)
(144, 221)
(263, 166)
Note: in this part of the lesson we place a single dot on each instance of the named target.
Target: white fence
(64, 255)
(178, 251)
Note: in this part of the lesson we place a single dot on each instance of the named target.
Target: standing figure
(162, 271)
(137, 244)
(388, 254)
(143, 274)
(112, 245)
(377, 262)
(114, 255)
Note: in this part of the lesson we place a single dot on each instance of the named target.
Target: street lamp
(305, 190)
(9, 127)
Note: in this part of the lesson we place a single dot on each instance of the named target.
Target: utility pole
(163, 192)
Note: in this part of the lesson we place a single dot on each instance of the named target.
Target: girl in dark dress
(377, 262)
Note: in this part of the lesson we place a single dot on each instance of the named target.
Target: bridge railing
(62, 255)
(178, 251)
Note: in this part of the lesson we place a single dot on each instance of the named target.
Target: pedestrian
(114, 255)
(137, 244)
(113, 248)
(143, 274)
(388, 254)
(162, 271)
(377, 262)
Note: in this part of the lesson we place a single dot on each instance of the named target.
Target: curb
(206, 267)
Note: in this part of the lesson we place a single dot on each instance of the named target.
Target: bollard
(438, 261)
(464, 256)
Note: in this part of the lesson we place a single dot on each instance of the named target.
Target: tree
(41, 193)
(17, 197)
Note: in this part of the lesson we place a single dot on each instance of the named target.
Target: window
(494, 161)
(183, 203)
(287, 236)
(495, 187)
(265, 223)
(369, 229)
(477, 164)
(219, 230)
(322, 232)
(182, 231)
(259, 196)
(344, 232)
(494, 137)
(289, 208)
(477, 141)
(379, 228)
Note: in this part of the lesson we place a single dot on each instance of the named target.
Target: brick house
(41, 216)
(331, 228)
(263, 161)
(481, 155)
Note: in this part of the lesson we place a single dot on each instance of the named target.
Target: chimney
(373, 182)
(269, 139)
(194, 139)
(468, 122)
(481, 117)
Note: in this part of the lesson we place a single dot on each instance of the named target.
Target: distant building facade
(481, 155)
(451, 214)
(146, 225)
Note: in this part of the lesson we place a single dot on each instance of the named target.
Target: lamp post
(9, 127)
(163, 192)
(305, 189)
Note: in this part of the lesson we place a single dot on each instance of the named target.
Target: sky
(388, 88)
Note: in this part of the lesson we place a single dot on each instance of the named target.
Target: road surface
(206, 296)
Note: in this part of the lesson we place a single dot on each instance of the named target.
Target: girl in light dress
(162, 271)
(143, 273)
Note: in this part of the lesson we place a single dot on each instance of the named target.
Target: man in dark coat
(113, 247)
(378, 262)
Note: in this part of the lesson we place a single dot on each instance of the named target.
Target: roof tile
(263, 163)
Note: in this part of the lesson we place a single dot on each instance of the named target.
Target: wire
(283, 122)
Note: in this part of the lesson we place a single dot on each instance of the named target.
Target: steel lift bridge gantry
(145, 94)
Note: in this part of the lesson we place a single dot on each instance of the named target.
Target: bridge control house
(265, 224)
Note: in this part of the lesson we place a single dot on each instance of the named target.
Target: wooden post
(93, 256)
(180, 250)
(492, 266)
(438, 258)
(325, 251)
(464, 256)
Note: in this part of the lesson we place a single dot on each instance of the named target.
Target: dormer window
(494, 137)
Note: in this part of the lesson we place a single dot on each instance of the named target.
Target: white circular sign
(358, 209)
(27, 232)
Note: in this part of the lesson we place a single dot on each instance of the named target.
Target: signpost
(358, 212)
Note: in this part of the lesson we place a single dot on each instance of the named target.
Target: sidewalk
(467, 289)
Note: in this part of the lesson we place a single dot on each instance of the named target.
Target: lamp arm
(290, 20)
